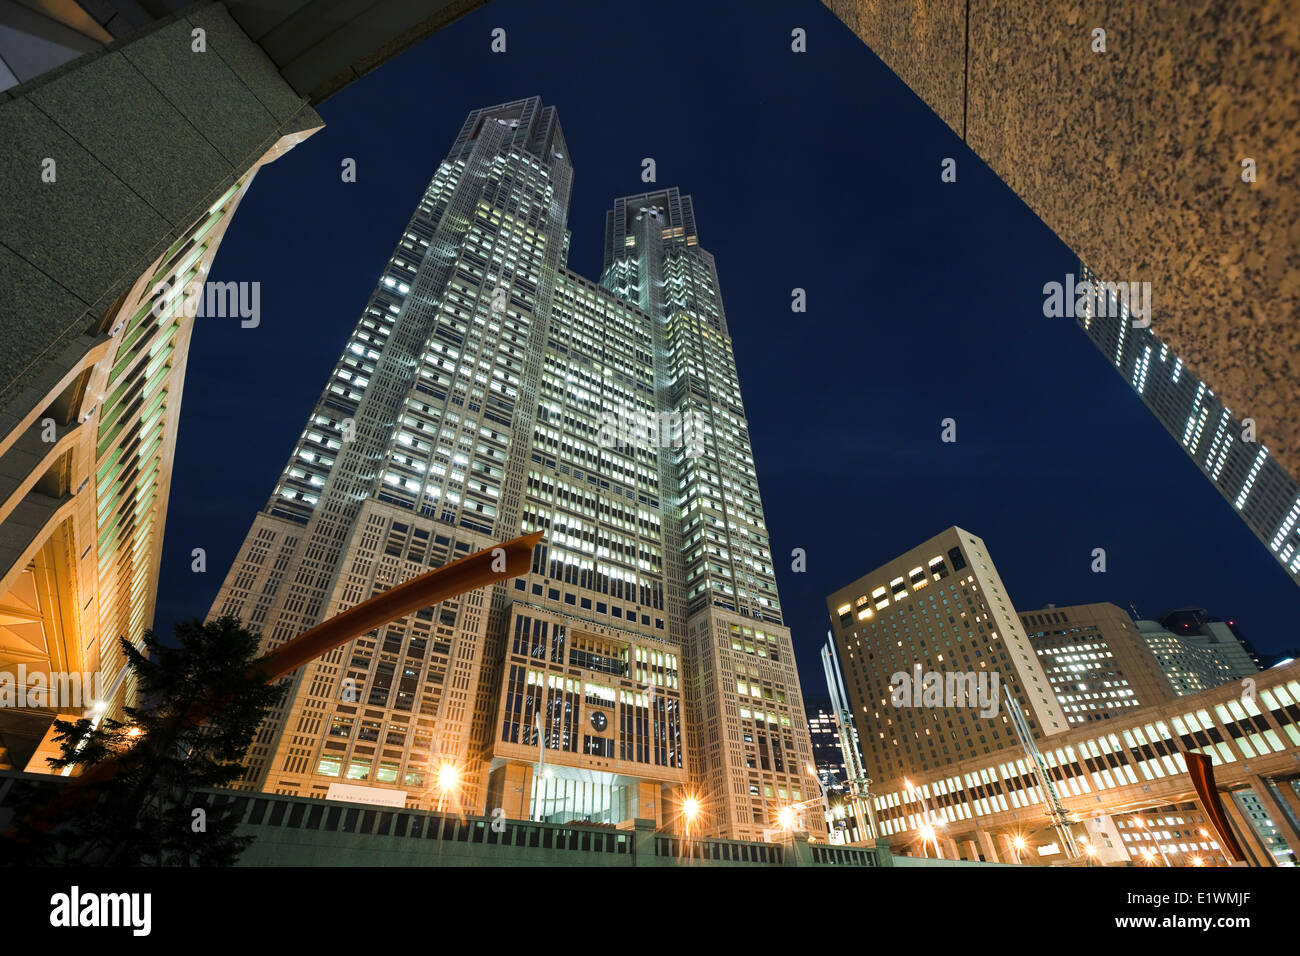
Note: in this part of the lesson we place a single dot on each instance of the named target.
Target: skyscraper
(485, 391)
(825, 733)
(1189, 662)
(1198, 627)
(1256, 485)
(937, 618)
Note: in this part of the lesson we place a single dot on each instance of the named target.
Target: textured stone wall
(1133, 157)
(144, 136)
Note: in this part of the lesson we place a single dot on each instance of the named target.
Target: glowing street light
(690, 813)
(691, 809)
(1152, 836)
(928, 834)
(785, 816)
(448, 779)
(931, 818)
(1019, 843)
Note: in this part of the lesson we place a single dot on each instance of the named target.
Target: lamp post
(690, 811)
(448, 780)
(1152, 837)
(1018, 844)
(932, 823)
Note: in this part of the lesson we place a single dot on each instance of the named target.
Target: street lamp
(932, 818)
(1152, 836)
(1018, 842)
(448, 779)
(927, 834)
(690, 811)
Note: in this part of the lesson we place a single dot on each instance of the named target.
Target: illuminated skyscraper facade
(488, 391)
(1256, 485)
(825, 733)
(1189, 666)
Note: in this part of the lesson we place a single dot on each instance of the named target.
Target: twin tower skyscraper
(643, 660)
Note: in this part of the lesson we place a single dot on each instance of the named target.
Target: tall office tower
(747, 725)
(1196, 626)
(1096, 660)
(937, 617)
(1223, 447)
(825, 734)
(473, 402)
(1189, 667)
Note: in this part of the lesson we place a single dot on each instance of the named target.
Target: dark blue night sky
(818, 171)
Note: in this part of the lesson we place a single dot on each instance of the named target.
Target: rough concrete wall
(144, 137)
(1133, 157)
(320, 46)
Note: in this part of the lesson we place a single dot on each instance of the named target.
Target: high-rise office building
(825, 734)
(485, 391)
(933, 653)
(1197, 627)
(1096, 660)
(1101, 662)
(1223, 447)
(1189, 664)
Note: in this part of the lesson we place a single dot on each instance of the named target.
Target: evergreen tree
(148, 812)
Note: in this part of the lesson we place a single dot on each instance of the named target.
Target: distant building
(1196, 626)
(1189, 667)
(1097, 662)
(828, 758)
